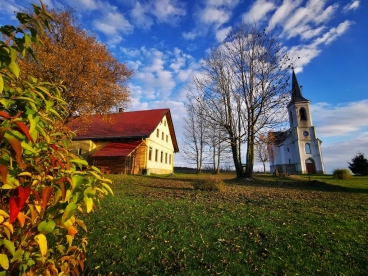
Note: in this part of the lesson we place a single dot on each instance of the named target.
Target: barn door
(309, 163)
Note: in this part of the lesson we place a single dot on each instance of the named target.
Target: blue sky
(165, 40)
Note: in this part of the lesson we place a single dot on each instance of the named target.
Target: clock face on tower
(305, 133)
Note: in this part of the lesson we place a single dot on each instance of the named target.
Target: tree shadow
(288, 183)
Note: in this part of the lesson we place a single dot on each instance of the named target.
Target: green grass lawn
(267, 226)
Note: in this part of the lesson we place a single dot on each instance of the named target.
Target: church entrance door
(309, 163)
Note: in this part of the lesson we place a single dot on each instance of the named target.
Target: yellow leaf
(38, 208)
(21, 218)
(9, 226)
(3, 213)
(89, 203)
(69, 239)
(4, 261)
(1, 219)
(42, 243)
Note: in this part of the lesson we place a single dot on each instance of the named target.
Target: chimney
(120, 109)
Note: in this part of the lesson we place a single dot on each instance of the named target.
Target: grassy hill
(266, 226)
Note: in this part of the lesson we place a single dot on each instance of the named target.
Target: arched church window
(307, 148)
(291, 116)
(303, 114)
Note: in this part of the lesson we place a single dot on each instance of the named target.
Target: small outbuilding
(136, 142)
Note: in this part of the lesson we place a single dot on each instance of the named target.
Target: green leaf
(89, 203)
(17, 255)
(77, 180)
(4, 261)
(69, 211)
(1, 84)
(107, 187)
(27, 40)
(14, 68)
(10, 246)
(28, 147)
(55, 113)
(46, 227)
(13, 54)
(49, 105)
(79, 162)
(89, 192)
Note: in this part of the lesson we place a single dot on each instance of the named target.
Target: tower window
(303, 114)
(79, 151)
(307, 148)
(291, 116)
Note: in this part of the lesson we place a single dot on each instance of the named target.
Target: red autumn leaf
(23, 193)
(18, 151)
(35, 193)
(53, 160)
(7, 116)
(4, 172)
(61, 164)
(60, 182)
(2, 133)
(46, 194)
(55, 148)
(24, 129)
(14, 208)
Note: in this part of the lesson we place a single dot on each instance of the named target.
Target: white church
(297, 150)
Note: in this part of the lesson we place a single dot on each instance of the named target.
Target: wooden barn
(136, 142)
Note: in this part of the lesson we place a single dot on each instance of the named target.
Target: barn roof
(133, 125)
(118, 149)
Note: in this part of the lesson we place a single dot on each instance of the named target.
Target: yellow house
(137, 142)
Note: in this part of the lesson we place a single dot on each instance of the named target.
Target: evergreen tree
(359, 164)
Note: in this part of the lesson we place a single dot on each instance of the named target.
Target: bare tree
(264, 150)
(194, 134)
(245, 80)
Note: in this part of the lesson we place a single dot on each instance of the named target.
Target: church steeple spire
(296, 93)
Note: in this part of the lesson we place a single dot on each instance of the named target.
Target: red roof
(134, 124)
(118, 149)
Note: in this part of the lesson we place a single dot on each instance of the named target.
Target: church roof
(296, 93)
(279, 136)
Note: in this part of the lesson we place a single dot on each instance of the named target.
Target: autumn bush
(43, 187)
(209, 184)
(341, 174)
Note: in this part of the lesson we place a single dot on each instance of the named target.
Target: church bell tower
(306, 146)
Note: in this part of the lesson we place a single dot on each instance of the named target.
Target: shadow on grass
(265, 181)
(289, 183)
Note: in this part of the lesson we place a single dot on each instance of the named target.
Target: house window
(79, 151)
(162, 156)
(158, 133)
(288, 149)
(164, 122)
(156, 155)
(291, 116)
(303, 114)
(163, 135)
(289, 161)
(165, 158)
(150, 154)
(167, 138)
(170, 159)
(307, 148)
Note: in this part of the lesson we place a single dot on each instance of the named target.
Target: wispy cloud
(342, 119)
(210, 17)
(352, 6)
(145, 14)
(259, 10)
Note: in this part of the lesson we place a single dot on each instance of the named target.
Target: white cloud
(140, 16)
(167, 11)
(113, 23)
(190, 35)
(283, 12)
(352, 6)
(215, 16)
(302, 54)
(86, 4)
(222, 33)
(343, 119)
(333, 33)
(338, 154)
(258, 11)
